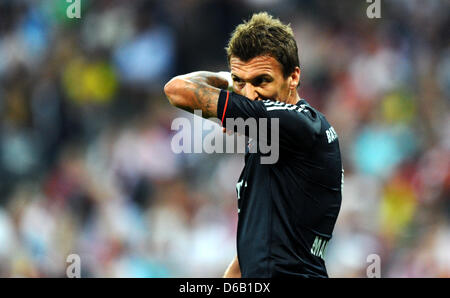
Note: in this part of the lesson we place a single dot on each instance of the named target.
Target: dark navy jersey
(288, 209)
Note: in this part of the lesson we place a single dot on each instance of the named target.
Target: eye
(238, 82)
(261, 81)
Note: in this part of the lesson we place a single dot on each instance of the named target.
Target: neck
(293, 98)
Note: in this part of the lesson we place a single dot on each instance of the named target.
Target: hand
(227, 76)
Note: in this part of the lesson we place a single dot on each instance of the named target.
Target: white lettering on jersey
(319, 246)
(331, 134)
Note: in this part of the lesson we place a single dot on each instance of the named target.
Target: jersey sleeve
(298, 125)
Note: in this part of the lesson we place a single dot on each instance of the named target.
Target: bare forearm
(213, 79)
(196, 91)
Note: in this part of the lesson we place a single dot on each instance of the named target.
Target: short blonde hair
(265, 35)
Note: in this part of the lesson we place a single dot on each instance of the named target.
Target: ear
(294, 78)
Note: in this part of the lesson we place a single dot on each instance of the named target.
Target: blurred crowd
(86, 165)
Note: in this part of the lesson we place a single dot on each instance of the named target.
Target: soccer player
(288, 209)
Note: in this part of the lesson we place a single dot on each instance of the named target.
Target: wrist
(227, 76)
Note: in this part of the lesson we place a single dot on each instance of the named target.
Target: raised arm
(197, 91)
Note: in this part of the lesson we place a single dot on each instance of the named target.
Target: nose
(249, 91)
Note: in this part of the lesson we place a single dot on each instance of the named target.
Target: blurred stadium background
(85, 159)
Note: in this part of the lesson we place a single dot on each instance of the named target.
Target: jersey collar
(301, 102)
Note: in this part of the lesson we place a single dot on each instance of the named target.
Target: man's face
(259, 78)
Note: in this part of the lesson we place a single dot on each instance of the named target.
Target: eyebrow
(261, 76)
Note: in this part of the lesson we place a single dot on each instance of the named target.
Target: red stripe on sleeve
(225, 108)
